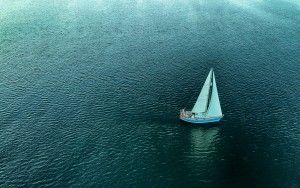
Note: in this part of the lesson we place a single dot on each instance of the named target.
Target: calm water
(90, 92)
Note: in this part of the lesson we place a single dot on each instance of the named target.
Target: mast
(210, 90)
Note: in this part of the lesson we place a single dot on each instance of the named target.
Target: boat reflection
(203, 141)
(203, 153)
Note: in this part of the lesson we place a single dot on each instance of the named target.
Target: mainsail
(214, 108)
(201, 103)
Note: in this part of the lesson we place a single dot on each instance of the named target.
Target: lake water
(90, 93)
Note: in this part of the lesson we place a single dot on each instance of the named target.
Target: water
(90, 92)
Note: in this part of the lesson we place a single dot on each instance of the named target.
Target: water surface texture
(90, 93)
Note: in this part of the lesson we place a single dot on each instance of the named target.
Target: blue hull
(189, 120)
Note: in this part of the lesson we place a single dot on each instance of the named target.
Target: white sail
(214, 108)
(201, 103)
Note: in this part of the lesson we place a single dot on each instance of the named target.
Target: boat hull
(198, 121)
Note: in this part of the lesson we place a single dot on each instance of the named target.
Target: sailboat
(207, 108)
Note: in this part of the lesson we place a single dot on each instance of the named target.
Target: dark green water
(90, 92)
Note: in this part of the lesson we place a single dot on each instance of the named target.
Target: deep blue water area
(90, 93)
